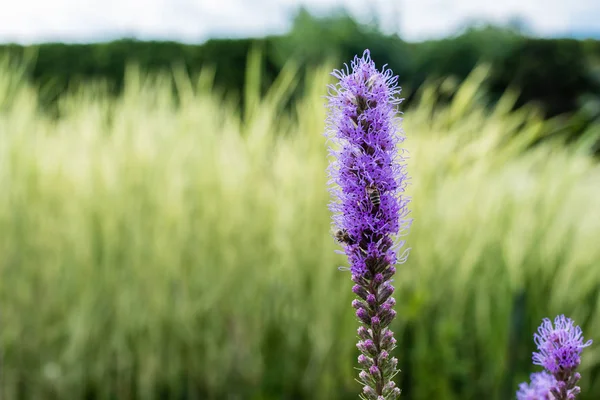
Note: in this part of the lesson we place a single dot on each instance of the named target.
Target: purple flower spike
(368, 178)
(559, 346)
(559, 352)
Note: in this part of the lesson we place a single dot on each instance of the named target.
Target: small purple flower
(368, 177)
(538, 388)
(559, 346)
(559, 352)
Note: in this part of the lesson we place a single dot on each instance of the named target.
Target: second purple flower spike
(369, 177)
(559, 352)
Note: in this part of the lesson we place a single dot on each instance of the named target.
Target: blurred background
(164, 231)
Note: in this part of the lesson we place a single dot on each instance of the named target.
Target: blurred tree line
(557, 74)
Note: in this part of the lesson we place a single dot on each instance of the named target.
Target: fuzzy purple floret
(538, 388)
(559, 346)
(363, 123)
(368, 178)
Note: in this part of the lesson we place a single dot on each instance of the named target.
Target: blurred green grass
(165, 245)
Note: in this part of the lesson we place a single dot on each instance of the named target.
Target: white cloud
(423, 17)
(28, 21)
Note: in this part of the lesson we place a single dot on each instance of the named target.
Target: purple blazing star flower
(368, 176)
(559, 352)
(559, 346)
(538, 389)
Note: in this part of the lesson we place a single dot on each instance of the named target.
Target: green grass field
(162, 245)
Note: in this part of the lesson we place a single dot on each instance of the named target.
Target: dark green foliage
(60, 66)
(457, 56)
(554, 73)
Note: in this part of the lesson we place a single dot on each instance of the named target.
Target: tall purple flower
(368, 176)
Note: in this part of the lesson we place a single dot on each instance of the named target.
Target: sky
(34, 21)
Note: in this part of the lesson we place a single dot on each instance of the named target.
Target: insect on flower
(342, 236)
(374, 195)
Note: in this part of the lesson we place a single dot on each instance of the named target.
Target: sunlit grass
(163, 244)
